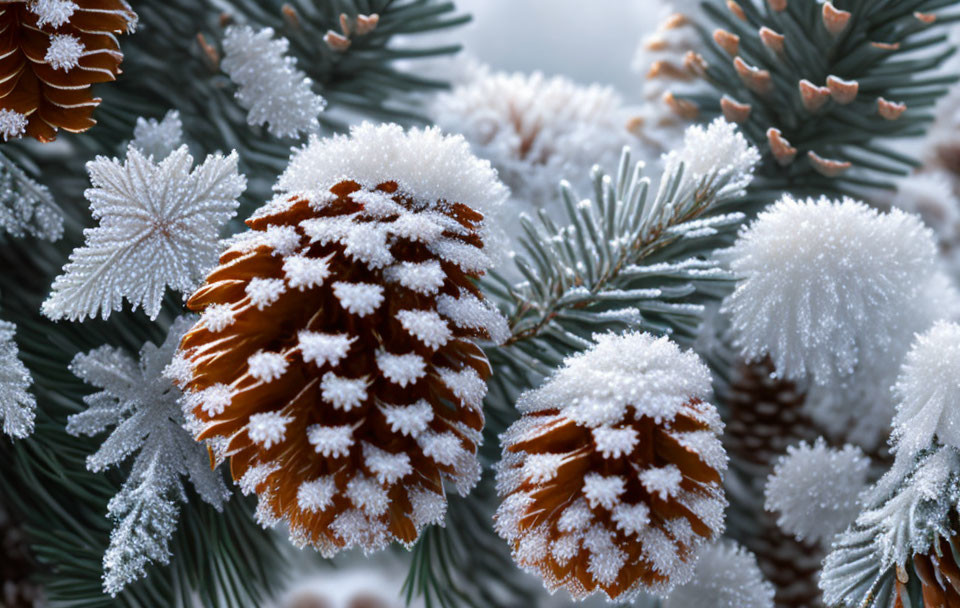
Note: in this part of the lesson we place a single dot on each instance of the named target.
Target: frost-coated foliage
(143, 406)
(827, 285)
(159, 224)
(720, 150)
(534, 128)
(158, 139)
(26, 207)
(814, 489)
(271, 88)
(904, 513)
(17, 406)
(928, 392)
(726, 576)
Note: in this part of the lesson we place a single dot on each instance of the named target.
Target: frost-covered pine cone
(335, 362)
(52, 51)
(938, 573)
(611, 479)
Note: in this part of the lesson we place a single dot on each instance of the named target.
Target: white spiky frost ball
(726, 576)
(537, 130)
(336, 361)
(825, 285)
(611, 478)
(815, 489)
(718, 149)
(928, 391)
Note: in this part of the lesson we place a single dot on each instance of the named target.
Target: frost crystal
(928, 391)
(719, 149)
(64, 52)
(17, 406)
(13, 124)
(159, 225)
(425, 163)
(727, 576)
(270, 86)
(536, 129)
(814, 489)
(142, 403)
(26, 207)
(53, 12)
(158, 139)
(825, 285)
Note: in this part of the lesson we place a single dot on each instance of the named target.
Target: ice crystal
(17, 406)
(726, 576)
(158, 139)
(141, 402)
(271, 87)
(159, 224)
(64, 52)
(716, 150)
(13, 124)
(928, 391)
(53, 12)
(426, 164)
(26, 207)
(636, 370)
(814, 489)
(536, 129)
(823, 285)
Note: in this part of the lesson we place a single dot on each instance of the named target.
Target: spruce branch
(824, 91)
(628, 258)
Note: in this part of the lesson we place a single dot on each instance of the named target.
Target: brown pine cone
(335, 361)
(611, 478)
(765, 416)
(51, 51)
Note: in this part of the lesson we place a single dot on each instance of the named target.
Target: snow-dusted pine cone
(335, 362)
(52, 51)
(611, 479)
(765, 416)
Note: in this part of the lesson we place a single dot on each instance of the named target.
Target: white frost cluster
(633, 370)
(158, 139)
(159, 228)
(928, 391)
(53, 12)
(537, 130)
(815, 489)
(271, 87)
(827, 285)
(726, 576)
(143, 405)
(425, 164)
(17, 406)
(26, 207)
(718, 150)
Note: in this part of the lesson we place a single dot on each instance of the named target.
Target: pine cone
(764, 417)
(611, 478)
(335, 362)
(52, 51)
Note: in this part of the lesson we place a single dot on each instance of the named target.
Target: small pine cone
(764, 415)
(611, 479)
(335, 362)
(52, 51)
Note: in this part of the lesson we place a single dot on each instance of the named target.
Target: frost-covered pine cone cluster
(720, 367)
(335, 362)
(611, 478)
